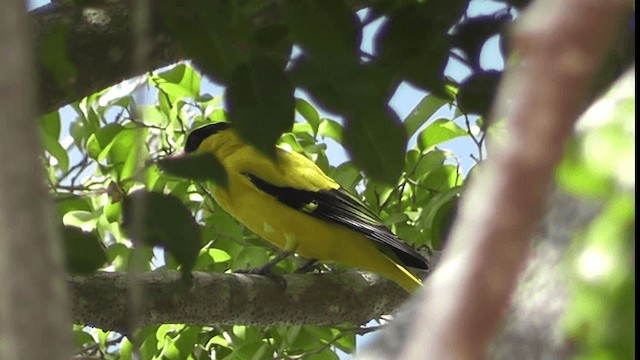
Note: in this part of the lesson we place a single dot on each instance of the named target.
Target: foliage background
(413, 188)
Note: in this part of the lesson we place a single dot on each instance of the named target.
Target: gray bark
(34, 312)
(99, 45)
(233, 299)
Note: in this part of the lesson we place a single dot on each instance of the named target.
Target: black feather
(339, 206)
(197, 136)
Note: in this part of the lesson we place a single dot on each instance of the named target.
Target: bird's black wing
(339, 206)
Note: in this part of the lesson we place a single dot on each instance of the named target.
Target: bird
(290, 202)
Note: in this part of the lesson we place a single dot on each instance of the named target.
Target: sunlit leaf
(86, 220)
(443, 178)
(152, 115)
(439, 131)
(331, 129)
(53, 147)
(426, 163)
(309, 113)
(50, 124)
(179, 81)
(102, 138)
(422, 112)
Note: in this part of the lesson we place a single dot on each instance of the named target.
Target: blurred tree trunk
(464, 302)
(34, 314)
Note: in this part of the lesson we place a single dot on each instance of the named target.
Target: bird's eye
(197, 136)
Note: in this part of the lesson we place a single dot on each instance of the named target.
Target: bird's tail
(401, 276)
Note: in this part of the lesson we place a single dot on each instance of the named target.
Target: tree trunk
(34, 321)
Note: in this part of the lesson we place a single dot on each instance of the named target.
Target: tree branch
(100, 46)
(100, 300)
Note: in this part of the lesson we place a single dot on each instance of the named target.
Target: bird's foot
(266, 272)
(309, 266)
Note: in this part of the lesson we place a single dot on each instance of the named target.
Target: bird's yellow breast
(290, 229)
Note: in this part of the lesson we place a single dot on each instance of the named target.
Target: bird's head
(203, 136)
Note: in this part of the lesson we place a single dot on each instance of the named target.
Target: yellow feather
(283, 226)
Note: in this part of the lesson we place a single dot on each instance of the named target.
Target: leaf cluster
(263, 50)
(117, 197)
(114, 200)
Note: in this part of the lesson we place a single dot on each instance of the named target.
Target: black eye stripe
(197, 136)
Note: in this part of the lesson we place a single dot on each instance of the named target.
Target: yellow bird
(295, 206)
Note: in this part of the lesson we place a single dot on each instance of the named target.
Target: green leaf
(601, 316)
(82, 219)
(152, 115)
(72, 203)
(325, 81)
(377, 141)
(82, 337)
(289, 140)
(260, 102)
(122, 152)
(53, 147)
(346, 343)
(102, 138)
(131, 163)
(79, 131)
(214, 260)
(122, 142)
(225, 224)
(422, 112)
(126, 350)
(50, 124)
(85, 252)
(476, 93)
(427, 163)
(254, 350)
(327, 28)
(419, 57)
(178, 82)
(199, 167)
(439, 131)
(472, 33)
(440, 214)
(157, 219)
(326, 354)
(182, 345)
(304, 132)
(443, 178)
(149, 345)
(331, 129)
(215, 34)
(118, 255)
(272, 40)
(113, 211)
(347, 175)
(309, 113)
(576, 175)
